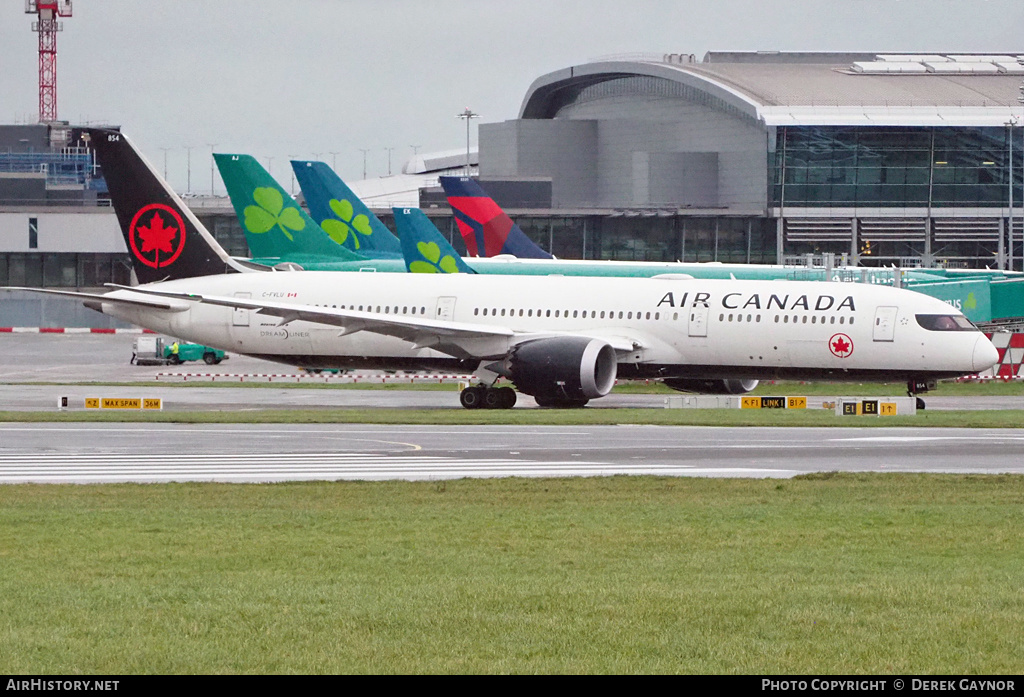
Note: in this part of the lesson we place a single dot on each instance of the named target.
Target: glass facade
(893, 166)
(63, 270)
(92, 270)
(639, 237)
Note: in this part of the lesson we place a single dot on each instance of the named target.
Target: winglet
(484, 226)
(424, 248)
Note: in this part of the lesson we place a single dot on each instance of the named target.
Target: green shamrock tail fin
(424, 247)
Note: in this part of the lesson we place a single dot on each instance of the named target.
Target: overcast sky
(297, 78)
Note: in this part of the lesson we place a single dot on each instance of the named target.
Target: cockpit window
(945, 323)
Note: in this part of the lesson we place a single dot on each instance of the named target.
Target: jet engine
(710, 386)
(562, 371)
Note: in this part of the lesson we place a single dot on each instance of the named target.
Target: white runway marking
(920, 439)
(97, 468)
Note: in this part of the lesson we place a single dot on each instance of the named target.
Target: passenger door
(885, 324)
(240, 317)
(698, 325)
(446, 308)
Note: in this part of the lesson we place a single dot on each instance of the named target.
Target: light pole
(165, 162)
(1009, 188)
(270, 166)
(212, 146)
(188, 185)
(290, 158)
(1020, 100)
(389, 160)
(334, 159)
(467, 114)
(364, 151)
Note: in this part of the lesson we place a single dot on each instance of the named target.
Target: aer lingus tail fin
(341, 214)
(424, 248)
(274, 225)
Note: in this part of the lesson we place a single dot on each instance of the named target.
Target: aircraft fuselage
(677, 327)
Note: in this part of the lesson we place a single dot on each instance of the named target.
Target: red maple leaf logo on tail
(153, 241)
(156, 236)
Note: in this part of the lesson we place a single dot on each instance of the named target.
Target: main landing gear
(484, 397)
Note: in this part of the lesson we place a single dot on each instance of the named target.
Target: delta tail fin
(424, 247)
(275, 226)
(486, 229)
(164, 238)
(341, 214)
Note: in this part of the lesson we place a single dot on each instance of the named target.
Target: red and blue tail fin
(484, 226)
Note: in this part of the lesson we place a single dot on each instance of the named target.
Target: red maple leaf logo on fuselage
(840, 345)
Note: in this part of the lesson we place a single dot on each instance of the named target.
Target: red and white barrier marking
(73, 330)
(1011, 356)
(369, 378)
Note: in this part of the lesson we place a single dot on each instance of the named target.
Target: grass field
(1006, 418)
(821, 574)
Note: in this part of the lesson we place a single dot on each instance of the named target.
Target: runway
(95, 453)
(138, 452)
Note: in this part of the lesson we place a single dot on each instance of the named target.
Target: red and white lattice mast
(48, 25)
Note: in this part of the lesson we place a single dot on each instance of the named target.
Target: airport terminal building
(907, 160)
(889, 159)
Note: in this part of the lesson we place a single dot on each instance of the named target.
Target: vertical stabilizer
(274, 225)
(341, 214)
(164, 238)
(486, 229)
(424, 247)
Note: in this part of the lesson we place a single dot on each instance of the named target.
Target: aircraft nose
(985, 354)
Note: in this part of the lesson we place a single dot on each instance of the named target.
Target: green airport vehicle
(193, 352)
(155, 350)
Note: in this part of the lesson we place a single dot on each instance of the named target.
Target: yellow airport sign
(773, 403)
(122, 403)
(873, 407)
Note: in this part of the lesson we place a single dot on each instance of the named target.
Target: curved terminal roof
(781, 89)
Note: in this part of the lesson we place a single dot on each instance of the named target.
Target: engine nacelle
(563, 369)
(710, 386)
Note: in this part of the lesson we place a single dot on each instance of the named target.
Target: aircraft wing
(460, 339)
(109, 298)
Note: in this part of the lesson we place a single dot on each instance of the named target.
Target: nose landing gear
(914, 387)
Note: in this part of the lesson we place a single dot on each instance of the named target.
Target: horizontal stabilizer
(108, 298)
